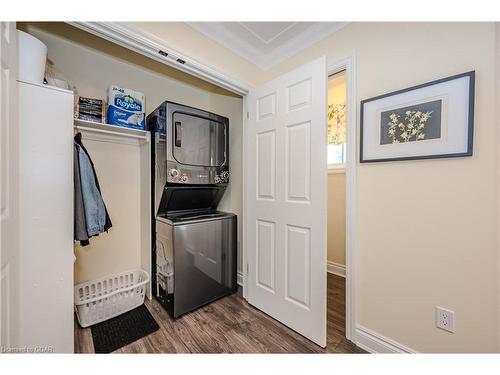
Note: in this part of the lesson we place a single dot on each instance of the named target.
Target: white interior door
(286, 170)
(9, 242)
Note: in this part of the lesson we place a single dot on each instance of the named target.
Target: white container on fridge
(31, 58)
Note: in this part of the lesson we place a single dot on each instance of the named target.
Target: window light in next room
(337, 98)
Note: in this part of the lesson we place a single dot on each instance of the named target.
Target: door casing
(348, 63)
(9, 190)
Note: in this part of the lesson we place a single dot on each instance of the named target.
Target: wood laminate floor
(231, 325)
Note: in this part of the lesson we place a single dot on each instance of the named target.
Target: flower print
(411, 129)
(337, 123)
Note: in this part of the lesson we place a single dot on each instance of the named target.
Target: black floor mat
(117, 332)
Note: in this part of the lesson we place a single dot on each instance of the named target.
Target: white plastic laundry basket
(109, 296)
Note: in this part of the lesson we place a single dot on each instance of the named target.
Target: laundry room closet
(122, 162)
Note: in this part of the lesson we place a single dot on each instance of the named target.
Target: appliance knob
(174, 173)
(184, 178)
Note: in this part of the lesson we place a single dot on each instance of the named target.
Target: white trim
(102, 131)
(336, 168)
(150, 45)
(374, 342)
(244, 262)
(49, 87)
(267, 41)
(335, 268)
(497, 95)
(349, 65)
(240, 278)
(266, 60)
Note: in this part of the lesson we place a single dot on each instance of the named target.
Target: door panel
(299, 95)
(266, 252)
(286, 199)
(266, 164)
(266, 107)
(298, 182)
(298, 265)
(9, 208)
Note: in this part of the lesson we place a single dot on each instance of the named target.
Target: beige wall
(336, 218)
(497, 105)
(92, 65)
(195, 45)
(438, 247)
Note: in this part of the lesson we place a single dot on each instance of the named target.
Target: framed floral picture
(432, 120)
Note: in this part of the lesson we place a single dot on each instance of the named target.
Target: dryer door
(198, 141)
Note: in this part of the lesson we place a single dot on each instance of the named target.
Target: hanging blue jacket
(95, 211)
(94, 217)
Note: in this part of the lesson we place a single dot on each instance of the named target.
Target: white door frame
(157, 49)
(244, 262)
(9, 190)
(348, 64)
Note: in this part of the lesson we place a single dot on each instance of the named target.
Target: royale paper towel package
(126, 107)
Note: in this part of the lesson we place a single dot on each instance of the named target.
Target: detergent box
(126, 107)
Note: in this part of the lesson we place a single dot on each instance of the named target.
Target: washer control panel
(180, 174)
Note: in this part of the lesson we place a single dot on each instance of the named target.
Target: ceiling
(266, 44)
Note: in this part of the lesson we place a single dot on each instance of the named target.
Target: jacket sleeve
(85, 154)
(80, 225)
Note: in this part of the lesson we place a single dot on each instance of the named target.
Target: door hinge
(248, 116)
(247, 268)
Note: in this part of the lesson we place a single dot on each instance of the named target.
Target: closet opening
(336, 206)
(90, 67)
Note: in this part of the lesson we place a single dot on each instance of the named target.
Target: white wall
(92, 65)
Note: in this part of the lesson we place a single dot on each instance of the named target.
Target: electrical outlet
(445, 319)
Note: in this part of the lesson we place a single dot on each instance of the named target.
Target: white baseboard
(240, 278)
(336, 268)
(374, 342)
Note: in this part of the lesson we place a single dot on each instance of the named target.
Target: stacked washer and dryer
(194, 244)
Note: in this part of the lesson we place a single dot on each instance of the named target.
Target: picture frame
(428, 121)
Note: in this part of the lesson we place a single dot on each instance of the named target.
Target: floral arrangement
(412, 128)
(336, 124)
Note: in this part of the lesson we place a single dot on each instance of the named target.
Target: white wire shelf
(99, 127)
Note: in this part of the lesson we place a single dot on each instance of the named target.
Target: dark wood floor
(231, 325)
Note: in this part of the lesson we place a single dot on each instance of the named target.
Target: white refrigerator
(45, 118)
